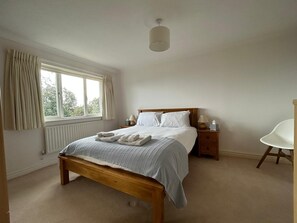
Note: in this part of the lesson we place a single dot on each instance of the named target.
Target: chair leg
(264, 156)
(278, 155)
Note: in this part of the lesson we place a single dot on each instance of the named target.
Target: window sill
(65, 121)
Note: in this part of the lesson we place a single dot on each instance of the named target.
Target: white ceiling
(115, 32)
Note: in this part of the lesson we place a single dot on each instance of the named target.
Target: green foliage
(49, 98)
(70, 104)
(93, 106)
(70, 107)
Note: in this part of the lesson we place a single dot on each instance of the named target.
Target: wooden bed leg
(158, 206)
(64, 174)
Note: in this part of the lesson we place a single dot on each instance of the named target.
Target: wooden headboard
(194, 113)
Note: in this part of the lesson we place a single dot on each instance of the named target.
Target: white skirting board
(252, 156)
(36, 166)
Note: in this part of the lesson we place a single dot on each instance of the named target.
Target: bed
(139, 186)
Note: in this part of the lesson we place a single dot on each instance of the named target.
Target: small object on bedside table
(208, 143)
(132, 120)
(213, 126)
(127, 122)
(202, 122)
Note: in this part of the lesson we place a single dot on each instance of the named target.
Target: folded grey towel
(105, 134)
(139, 142)
(108, 139)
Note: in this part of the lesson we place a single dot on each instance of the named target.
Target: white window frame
(75, 73)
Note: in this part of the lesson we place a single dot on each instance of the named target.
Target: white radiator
(57, 137)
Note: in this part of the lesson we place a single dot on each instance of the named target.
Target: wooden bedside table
(126, 126)
(208, 143)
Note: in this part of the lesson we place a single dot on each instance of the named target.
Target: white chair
(281, 137)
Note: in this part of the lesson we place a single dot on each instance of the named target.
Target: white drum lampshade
(159, 38)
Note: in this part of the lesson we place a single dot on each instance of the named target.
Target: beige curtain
(108, 99)
(22, 92)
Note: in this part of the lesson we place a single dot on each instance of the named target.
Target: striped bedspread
(164, 159)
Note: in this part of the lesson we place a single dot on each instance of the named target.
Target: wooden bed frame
(139, 186)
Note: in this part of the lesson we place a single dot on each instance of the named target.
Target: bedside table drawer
(209, 149)
(207, 137)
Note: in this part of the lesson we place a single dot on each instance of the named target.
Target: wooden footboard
(141, 187)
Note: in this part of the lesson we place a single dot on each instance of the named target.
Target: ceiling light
(159, 38)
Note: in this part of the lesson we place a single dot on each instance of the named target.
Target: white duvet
(185, 135)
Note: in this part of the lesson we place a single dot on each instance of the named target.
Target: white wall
(247, 88)
(23, 148)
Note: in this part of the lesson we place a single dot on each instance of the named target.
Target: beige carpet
(231, 190)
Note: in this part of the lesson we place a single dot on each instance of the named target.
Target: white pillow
(175, 119)
(149, 119)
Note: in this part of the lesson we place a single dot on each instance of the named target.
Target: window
(70, 94)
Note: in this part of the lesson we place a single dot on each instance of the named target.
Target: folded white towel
(139, 142)
(129, 138)
(133, 138)
(108, 139)
(105, 134)
(124, 138)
